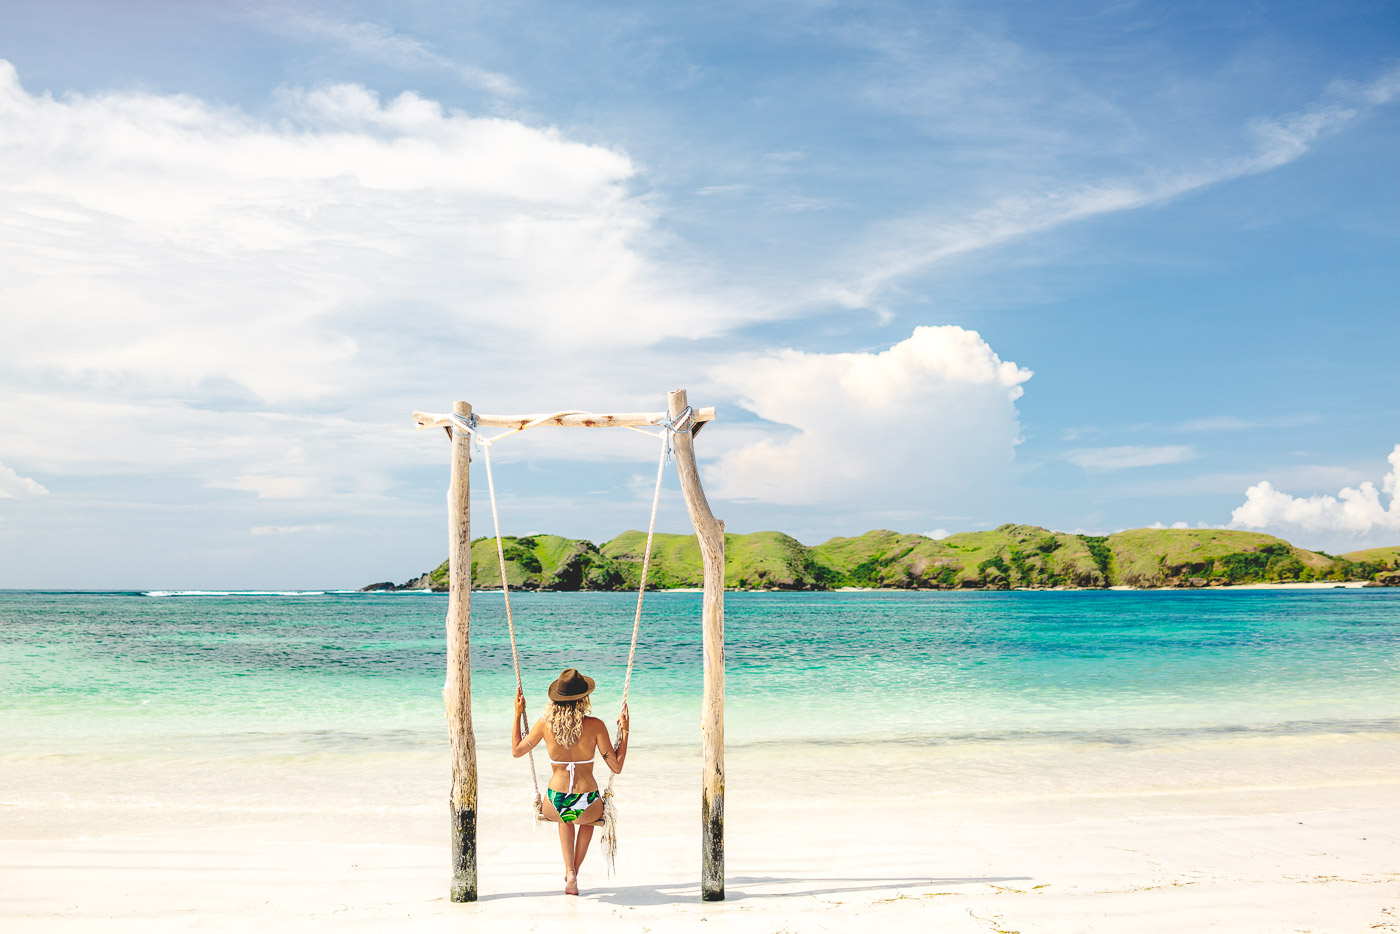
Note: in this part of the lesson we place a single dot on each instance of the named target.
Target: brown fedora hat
(571, 686)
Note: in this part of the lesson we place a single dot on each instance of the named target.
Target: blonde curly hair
(565, 720)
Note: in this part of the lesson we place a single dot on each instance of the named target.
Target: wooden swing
(682, 422)
(678, 426)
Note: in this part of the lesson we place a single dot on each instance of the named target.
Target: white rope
(485, 446)
(531, 424)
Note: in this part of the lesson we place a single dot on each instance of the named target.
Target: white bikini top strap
(572, 764)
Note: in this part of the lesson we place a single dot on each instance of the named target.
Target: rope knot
(671, 426)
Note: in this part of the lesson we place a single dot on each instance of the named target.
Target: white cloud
(1236, 423)
(937, 534)
(1130, 455)
(203, 290)
(171, 240)
(13, 486)
(921, 424)
(1355, 515)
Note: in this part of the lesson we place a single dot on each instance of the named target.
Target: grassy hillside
(536, 562)
(1388, 558)
(675, 559)
(759, 560)
(1176, 557)
(1010, 556)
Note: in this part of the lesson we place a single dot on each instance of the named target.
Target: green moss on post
(712, 847)
(463, 853)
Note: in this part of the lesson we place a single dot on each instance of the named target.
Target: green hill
(1388, 558)
(759, 560)
(1174, 557)
(1007, 557)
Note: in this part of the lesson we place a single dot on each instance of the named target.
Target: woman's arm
(521, 745)
(615, 755)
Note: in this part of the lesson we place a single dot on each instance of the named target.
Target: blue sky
(940, 266)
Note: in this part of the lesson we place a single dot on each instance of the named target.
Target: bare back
(592, 741)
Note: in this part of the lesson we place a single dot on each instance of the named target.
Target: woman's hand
(520, 745)
(618, 754)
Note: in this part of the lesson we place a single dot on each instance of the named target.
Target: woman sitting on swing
(571, 737)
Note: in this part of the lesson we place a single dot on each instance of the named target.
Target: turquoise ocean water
(108, 670)
(319, 716)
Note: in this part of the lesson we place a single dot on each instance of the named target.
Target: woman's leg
(585, 836)
(566, 846)
(585, 832)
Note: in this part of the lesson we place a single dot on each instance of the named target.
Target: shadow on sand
(741, 888)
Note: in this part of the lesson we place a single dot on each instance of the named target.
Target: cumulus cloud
(1130, 455)
(1355, 515)
(13, 486)
(179, 242)
(923, 423)
(205, 290)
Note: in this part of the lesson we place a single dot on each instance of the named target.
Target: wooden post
(710, 531)
(457, 691)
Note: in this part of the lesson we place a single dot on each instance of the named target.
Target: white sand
(1264, 835)
(1310, 585)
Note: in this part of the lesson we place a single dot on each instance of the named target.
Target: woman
(571, 737)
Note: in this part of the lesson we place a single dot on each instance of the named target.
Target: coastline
(1281, 585)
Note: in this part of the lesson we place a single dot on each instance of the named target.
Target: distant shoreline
(1311, 585)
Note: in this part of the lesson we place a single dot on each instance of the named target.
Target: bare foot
(570, 883)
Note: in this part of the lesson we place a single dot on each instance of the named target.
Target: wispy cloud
(1132, 455)
(287, 529)
(917, 243)
(1237, 423)
(382, 44)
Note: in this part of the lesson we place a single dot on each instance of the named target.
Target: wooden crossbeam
(570, 420)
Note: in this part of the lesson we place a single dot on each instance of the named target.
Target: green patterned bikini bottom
(571, 805)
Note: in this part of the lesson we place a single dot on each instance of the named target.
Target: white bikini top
(572, 764)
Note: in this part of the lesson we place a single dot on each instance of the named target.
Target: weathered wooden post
(457, 691)
(710, 531)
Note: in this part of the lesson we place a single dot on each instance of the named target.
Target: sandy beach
(1262, 835)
